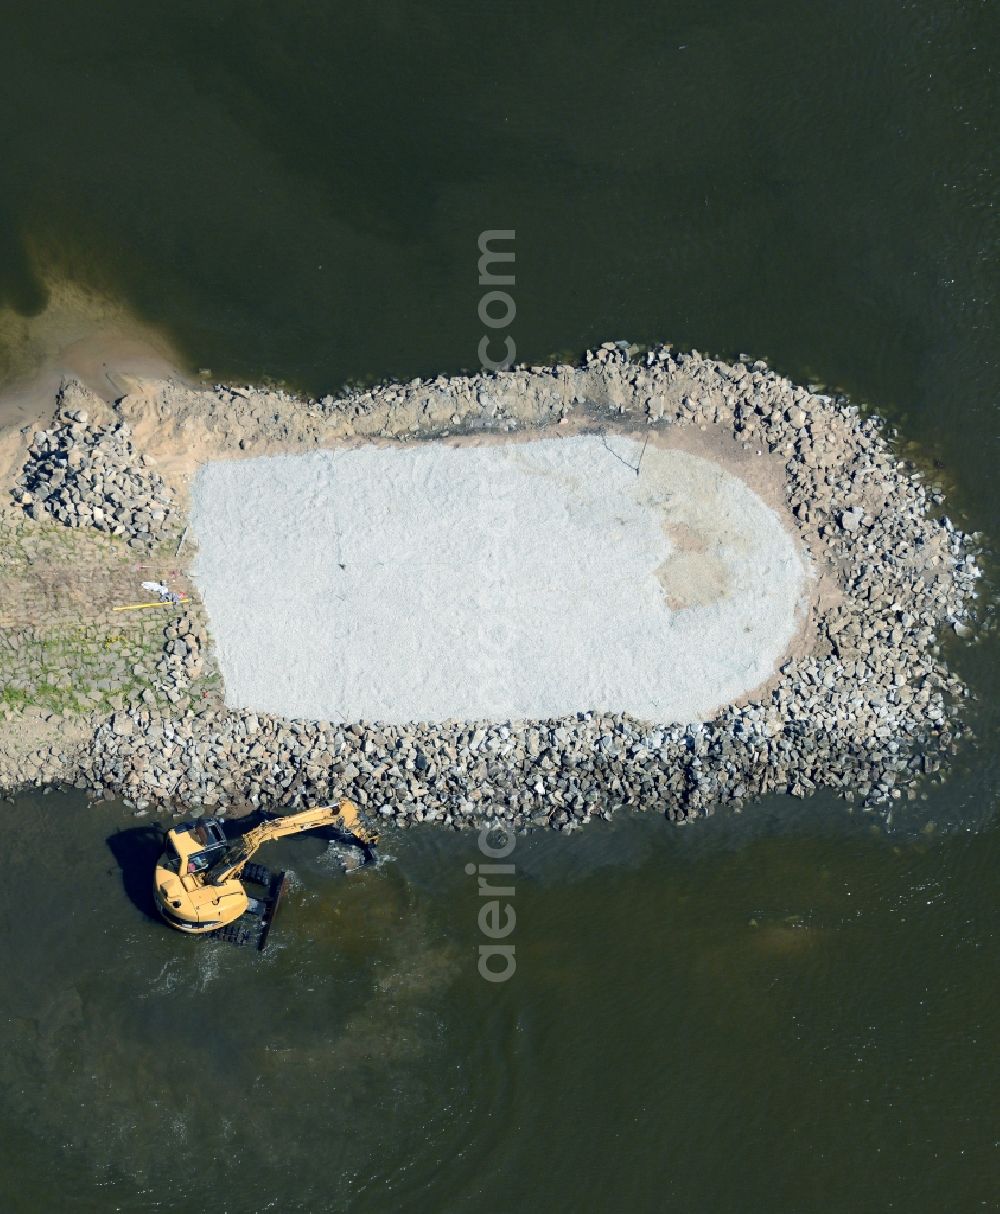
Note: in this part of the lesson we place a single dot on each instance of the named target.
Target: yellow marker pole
(143, 606)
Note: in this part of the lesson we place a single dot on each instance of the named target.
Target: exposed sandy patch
(81, 336)
(506, 581)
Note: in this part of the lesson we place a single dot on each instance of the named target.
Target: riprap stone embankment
(864, 703)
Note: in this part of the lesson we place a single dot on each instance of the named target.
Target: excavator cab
(199, 844)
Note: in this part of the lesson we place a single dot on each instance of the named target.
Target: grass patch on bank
(15, 698)
(62, 647)
(92, 668)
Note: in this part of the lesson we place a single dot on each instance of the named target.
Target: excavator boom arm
(345, 816)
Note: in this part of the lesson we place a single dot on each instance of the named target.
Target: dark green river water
(794, 1010)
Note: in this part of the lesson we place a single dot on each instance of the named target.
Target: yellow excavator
(198, 883)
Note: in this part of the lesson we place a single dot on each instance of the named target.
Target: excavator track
(254, 928)
(260, 874)
(239, 933)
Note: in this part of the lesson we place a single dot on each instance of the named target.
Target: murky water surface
(789, 1010)
(793, 1010)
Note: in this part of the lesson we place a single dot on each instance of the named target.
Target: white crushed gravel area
(504, 581)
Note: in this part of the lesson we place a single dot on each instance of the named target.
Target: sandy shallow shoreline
(134, 706)
(79, 335)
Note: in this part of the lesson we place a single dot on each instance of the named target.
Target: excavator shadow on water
(199, 869)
